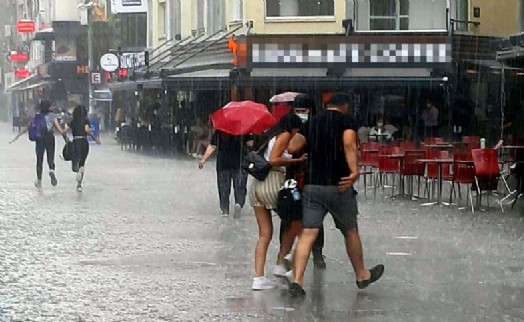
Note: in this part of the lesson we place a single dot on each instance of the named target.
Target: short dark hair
(339, 99)
(45, 107)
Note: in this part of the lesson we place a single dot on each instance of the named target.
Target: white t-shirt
(269, 149)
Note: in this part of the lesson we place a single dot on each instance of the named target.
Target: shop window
(389, 14)
(238, 10)
(215, 16)
(176, 24)
(162, 28)
(461, 13)
(299, 8)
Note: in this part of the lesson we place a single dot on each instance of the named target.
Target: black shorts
(319, 200)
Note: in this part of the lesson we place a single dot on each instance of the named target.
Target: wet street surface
(145, 242)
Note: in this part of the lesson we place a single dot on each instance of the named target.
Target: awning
(491, 64)
(130, 85)
(103, 95)
(210, 79)
(21, 83)
(513, 53)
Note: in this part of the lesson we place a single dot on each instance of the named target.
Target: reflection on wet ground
(145, 242)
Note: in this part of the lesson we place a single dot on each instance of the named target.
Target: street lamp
(89, 6)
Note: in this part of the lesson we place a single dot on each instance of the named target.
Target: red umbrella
(239, 118)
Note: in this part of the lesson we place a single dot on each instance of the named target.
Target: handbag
(289, 205)
(68, 151)
(256, 165)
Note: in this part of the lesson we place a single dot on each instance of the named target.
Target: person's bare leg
(288, 239)
(355, 254)
(265, 232)
(302, 252)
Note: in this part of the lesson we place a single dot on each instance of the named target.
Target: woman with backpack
(264, 194)
(41, 132)
(80, 128)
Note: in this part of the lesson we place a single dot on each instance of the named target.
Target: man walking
(229, 159)
(330, 139)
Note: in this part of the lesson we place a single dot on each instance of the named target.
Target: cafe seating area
(438, 172)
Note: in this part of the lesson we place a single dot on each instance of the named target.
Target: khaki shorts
(265, 193)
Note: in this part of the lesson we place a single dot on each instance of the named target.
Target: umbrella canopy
(284, 97)
(240, 118)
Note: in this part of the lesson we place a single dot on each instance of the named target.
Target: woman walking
(41, 132)
(80, 128)
(264, 194)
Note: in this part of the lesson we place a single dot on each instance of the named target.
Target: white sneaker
(289, 276)
(262, 283)
(279, 271)
(80, 175)
(238, 209)
(38, 184)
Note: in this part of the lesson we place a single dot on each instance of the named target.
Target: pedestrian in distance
(230, 153)
(41, 132)
(330, 139)
(81, 128)
(263, 195)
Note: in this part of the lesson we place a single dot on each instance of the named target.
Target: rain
(177, 142)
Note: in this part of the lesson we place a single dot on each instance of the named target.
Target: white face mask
(303, 117)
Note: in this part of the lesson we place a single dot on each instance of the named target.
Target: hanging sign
(109, 62)
(25, 26)
(22, 73)
(15, 56)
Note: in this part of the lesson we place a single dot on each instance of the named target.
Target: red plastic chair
(412, 168)
(388, 165)
(406, 145)
(432, 140)
(432, 170)
(487, 172)
(463, 173)
(368, 160)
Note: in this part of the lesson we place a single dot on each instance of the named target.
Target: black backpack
(289, 205)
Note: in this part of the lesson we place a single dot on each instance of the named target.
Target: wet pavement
(145, 242)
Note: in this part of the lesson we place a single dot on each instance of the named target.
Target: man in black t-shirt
(330, 139)
(229, 160)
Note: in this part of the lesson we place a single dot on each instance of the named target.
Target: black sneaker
(54, 182)
(376, 273)
(318, 260)
(295, 290)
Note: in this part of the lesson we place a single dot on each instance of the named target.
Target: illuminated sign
(25, 26)
(18, 57)
(22, 73)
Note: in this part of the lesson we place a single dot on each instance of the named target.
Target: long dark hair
(288, 123)
(45, 107)
(79, 114)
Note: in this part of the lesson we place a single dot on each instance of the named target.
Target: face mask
(303, 117)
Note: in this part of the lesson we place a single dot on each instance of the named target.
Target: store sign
(347, 52)
(82, 69)
(128, 6)
(25, 26)
(15, 56)
(133, 60)
(22, 73)
(96, 78)
(109, 62)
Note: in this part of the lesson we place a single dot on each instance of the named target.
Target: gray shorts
(319, 200)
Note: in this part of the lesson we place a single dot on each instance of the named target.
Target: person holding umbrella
(228, 166)
(233, 125)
